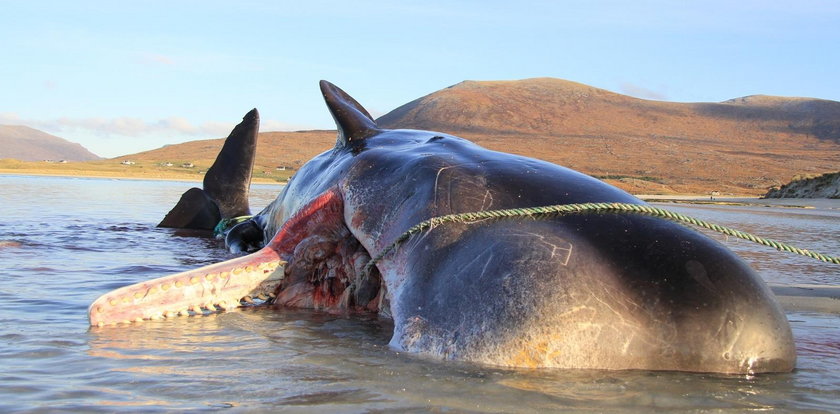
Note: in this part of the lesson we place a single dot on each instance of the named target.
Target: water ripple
(102, 235)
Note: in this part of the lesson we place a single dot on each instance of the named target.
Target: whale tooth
(209, 289)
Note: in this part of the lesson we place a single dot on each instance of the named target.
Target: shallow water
(64, 242)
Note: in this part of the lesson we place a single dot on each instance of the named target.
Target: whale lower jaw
(237, 282)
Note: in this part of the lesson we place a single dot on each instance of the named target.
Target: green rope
(226, 223)
(564, 209)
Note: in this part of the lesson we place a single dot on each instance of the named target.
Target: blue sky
(125, 76)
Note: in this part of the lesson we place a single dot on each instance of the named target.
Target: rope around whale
(566, 209)
(227, 223)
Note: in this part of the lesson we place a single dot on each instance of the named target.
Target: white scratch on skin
(627, 343)
(449, 184)
(554, 247)
(478, 256)
(484, 270)
(568, 251)
(437, 177)
(484, 204)
(628, 325)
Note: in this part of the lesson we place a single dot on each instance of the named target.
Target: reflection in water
(77, 239)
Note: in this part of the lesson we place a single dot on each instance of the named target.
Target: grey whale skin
(589, 291)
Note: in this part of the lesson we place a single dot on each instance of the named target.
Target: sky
(120, 77)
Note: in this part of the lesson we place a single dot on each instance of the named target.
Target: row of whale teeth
(207, 309)
(264, 296)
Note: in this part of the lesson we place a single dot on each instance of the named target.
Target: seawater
(65, 241)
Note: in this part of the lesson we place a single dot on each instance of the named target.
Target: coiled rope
(565, 209)
(227, 223)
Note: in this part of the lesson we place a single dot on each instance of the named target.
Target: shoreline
(751, 201)
(702, 199)
(255, 180)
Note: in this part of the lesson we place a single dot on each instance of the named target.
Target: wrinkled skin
(602, 291)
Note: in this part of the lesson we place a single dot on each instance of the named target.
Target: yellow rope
(563, 209)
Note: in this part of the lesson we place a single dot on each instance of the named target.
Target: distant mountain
(743, 146)
(563, 108)
(28, 144)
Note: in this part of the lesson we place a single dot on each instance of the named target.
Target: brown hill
(741, 146)
(279, 154)
(28, 144)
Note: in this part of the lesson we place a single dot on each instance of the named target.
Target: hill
(279, 154)
(741, 146)
(28, 144)
(821, 186)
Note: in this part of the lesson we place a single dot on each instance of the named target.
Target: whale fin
(226, 183)
(354, 123)
(195, 210)
(229, 179)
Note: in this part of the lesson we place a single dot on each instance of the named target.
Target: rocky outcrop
(822, 186)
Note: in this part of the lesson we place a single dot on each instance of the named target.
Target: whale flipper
(229, 179)
(226, 183)
(195, 210)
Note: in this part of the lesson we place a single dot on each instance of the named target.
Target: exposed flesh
(312, 262)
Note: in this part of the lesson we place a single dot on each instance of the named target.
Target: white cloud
(641, 92)
(8, 118)
(111, 137)
(137, 127)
